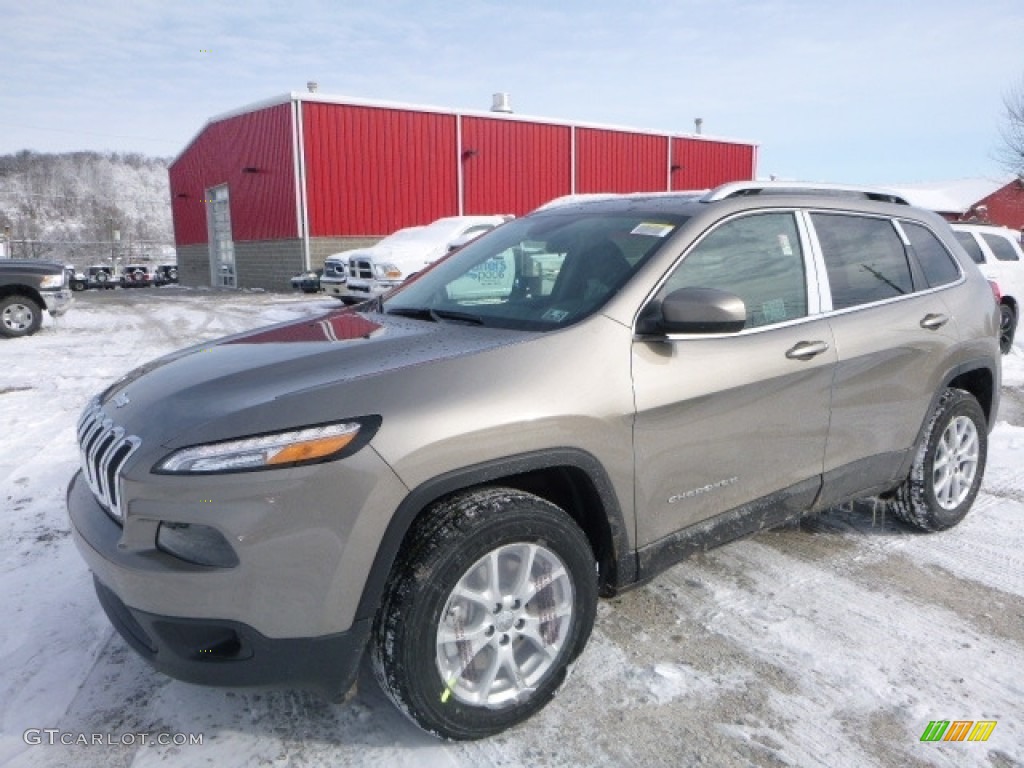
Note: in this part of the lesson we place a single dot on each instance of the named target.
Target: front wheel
(948, 466)
(19, 316)
(1007, 327)
(491, 601)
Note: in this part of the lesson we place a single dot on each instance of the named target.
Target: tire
(19, 316)
(77, 285)
(435, 609)
(102, 277)
(948, 466)
(1007, 327)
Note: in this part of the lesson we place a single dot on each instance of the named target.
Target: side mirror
(694, 310)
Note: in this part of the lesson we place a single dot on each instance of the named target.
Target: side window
(971, 246)
(1001, 247)
(757, 258)
(865, 259)
(939, 267)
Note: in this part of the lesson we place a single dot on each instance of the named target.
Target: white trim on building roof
(300, 96)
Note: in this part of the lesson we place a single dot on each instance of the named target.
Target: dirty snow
(832, 642)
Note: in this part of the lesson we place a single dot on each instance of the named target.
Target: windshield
(537, 273)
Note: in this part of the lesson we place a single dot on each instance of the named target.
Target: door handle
(805, 350)
(934, 322)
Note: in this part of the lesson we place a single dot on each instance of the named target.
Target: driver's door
(730, 421)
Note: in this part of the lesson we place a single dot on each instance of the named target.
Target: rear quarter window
(937, 263)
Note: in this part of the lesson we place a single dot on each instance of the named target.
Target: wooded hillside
(84, 207)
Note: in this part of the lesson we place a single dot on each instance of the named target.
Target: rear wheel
(948, 467)
(1007, 327)
(19, 316)
(494, 598)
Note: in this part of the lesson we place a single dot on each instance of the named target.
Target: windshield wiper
(428, 313)
(420, 313)
(462, 317)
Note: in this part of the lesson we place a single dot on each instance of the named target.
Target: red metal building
(273, 188)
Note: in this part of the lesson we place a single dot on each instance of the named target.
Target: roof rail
(746, 188)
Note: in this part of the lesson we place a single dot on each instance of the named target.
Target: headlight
(52, 281)
(272, 451)
(387, 272)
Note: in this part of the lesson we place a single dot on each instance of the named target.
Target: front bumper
(229, 653)
(58, 302)
(305, 541)
(353, 292)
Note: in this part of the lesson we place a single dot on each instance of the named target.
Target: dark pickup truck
(26, 288)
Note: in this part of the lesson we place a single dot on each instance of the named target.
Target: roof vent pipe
(501, 103)
(698, 124)
(312, 86)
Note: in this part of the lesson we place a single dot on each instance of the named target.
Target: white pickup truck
(363, 273)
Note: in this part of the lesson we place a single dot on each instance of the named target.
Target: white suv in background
(361, 274)
(997, 252)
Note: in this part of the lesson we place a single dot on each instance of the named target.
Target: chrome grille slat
(104, 448)
(360, 268)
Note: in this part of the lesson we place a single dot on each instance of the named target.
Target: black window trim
(917, 267)
(812, 278)
(912, 261)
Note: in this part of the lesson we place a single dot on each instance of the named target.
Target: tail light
(998, 294)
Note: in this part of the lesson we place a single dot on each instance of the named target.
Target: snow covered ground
(833, 642)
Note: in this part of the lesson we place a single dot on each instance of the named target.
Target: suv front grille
(361, 269)
(104, 448)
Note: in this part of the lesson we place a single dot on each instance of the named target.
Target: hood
(411, 252)
(294, 374)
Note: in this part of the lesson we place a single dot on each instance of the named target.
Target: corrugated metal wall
(619, 161)
(262, 201)
(512, 166)
(704, 163)
(370, 171)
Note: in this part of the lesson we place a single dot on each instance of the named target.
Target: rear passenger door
(892, 331)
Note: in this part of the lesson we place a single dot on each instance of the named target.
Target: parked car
(101, 276)
(449, 478)
(997, 252)
(27, 287)
(77, 281)
(165, 274)
(307, 282)
(136, 276)
(370, 272)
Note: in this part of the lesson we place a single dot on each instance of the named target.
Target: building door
(222, 247)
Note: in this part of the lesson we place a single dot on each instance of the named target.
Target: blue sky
(864, 91)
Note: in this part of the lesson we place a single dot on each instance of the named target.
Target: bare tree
(1011, 151)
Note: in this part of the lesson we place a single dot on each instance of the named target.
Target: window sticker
(555, 315)
(652, 229)
(787, 249)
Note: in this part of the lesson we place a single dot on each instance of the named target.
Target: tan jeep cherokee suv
(450, 476)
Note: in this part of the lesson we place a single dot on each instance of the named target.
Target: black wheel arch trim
(990, 405)
(621, 563)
